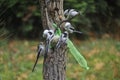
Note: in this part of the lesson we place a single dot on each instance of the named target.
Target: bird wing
(47, 46)
(58, 43)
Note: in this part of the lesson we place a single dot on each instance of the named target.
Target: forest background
(21, 31)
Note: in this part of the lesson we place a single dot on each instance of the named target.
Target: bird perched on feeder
(68, 27)
(48, 34)
(70, 13)
(40, 51)
(62, 40)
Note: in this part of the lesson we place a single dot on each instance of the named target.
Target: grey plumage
(62, 40)
(70, 13)
(48, 34)
(68, 27)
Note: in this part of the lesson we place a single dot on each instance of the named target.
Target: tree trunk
(54, 65)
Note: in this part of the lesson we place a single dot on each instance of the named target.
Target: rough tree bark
(54, 65)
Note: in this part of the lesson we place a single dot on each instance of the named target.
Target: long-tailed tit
(62, 40)
(68, 27)
(48, 34)
(70, 13)
(40, 51)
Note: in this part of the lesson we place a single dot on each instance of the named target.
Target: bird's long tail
(36, 60)
(78, 32)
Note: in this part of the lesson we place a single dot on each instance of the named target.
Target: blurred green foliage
(22, 18)
(17, 58)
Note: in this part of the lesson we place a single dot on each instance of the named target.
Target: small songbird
(68, 27)
(40, 51)
(70, 13)
(48, 34)
(62, 40)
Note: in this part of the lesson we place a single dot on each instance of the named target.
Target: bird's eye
(50, 33)
(65, 35)
(72, 28)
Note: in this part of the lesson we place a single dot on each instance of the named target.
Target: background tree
(22, 18)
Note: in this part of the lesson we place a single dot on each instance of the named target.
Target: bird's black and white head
(68, 27)
(45, 33)
(48, 33)
(65, 37)
(65, 34)
(62, 40)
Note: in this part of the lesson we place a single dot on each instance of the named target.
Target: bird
(48, 34)
(62, 40)
(40, 51)
(70, 13)
(68, 27)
